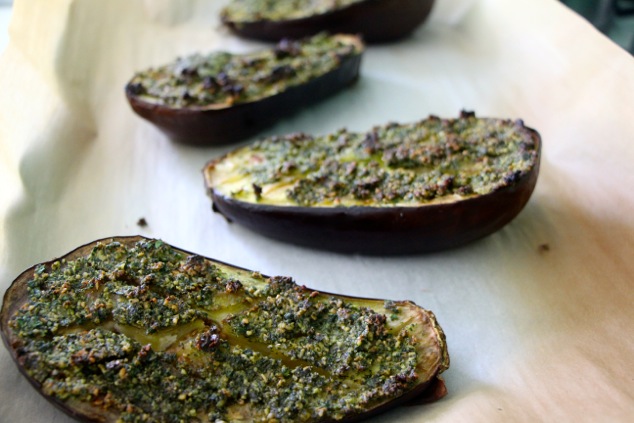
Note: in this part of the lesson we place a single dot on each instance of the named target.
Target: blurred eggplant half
(377, 21)
(220, 98)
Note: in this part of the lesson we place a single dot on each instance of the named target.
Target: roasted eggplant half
(376, 20)
(396, 189)
(131, 329)
(221, 97)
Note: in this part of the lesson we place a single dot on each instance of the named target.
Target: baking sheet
(538, 316)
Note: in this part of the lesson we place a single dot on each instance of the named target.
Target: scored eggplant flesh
(398, 188)
(100, 329)
(221, 97)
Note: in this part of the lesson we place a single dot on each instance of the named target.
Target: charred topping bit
(257, 10)
(208, 340)
(136, 88)
(233, 286)
(433, 160)
(227, 340)
(222, 78)
(287, 48)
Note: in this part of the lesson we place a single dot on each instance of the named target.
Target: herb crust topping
(431, 161)
(222, 79)
(223, 344)
(273, 10)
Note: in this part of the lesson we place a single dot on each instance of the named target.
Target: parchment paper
(539, 316)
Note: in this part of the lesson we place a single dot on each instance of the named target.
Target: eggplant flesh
(396, 189)
(221, 98)
(97, 330)
(377, 21)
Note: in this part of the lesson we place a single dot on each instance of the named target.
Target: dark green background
(615, 18)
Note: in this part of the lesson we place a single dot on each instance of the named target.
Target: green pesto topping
(434, 160)
(278, 10)
(221, 79)
(222, 344)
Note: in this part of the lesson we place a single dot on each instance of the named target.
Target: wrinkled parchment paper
(539, 316)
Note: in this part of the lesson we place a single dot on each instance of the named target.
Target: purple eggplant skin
(379, 230)
(214, 126)
(430, 388)
(377, 21)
